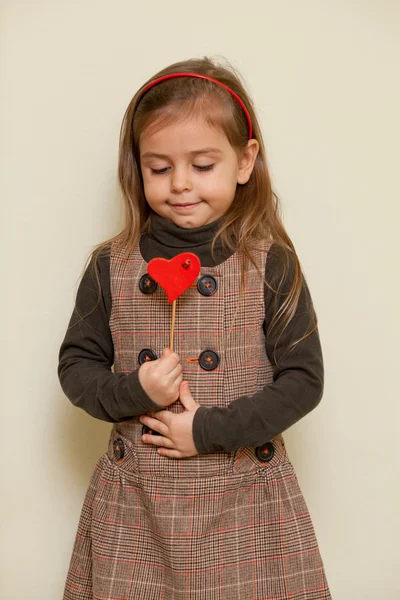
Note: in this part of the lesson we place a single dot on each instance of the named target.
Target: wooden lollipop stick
(174, 276)
(171, 335)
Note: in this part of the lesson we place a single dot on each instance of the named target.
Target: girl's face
(190, 171)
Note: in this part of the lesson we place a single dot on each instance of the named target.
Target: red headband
(228, 89)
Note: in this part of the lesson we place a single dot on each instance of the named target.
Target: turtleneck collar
(171, 235)
(166, 240)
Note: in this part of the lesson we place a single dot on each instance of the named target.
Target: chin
(188, 223)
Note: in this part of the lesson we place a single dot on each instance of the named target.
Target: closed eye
(159, 171)
(204, 167)
(164, 170)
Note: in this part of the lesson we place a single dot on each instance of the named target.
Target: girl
(195, 498)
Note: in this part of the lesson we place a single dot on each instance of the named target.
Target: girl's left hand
(176, 439)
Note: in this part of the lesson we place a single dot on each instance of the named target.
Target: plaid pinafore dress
(220, 526)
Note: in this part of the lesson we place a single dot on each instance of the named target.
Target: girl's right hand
(161, 378)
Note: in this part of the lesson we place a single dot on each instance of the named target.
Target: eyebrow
(193, 153)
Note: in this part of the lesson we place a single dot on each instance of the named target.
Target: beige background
(325, 78)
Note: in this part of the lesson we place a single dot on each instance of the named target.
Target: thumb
(166, 352)
(185, 396)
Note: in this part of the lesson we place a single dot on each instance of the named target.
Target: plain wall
(325, 80)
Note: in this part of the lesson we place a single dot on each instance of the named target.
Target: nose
(181, 180)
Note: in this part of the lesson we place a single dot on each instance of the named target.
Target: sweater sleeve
(87, 354)
(298, 377)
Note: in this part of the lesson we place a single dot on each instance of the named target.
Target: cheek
(153, 188)
(225, 182)
(220, 185)
(221, 191)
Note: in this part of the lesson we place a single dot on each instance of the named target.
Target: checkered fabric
(220, 526)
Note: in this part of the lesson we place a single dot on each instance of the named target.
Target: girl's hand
(176, 439)
(161, 378)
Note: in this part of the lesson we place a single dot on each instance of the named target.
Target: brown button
(209, 360)
(146, 355)
(147, 285)
(265, 452)
(207, 285)
(119, 448)
(146, 429)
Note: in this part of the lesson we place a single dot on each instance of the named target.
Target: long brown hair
(254, 214)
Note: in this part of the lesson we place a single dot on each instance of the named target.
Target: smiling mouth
(184, 204)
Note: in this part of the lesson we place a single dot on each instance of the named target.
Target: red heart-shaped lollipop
(175, 275)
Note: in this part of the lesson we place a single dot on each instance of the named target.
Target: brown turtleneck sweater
(87, 353)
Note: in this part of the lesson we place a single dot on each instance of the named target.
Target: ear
(247, 159)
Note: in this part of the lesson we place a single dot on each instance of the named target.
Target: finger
(170, 453)
(155, 424)
(168, 363)
(157, 440)
(168, 353)
(178, 381)
(155, 414)
(174, 374)
(185, 396)
(161, 415)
